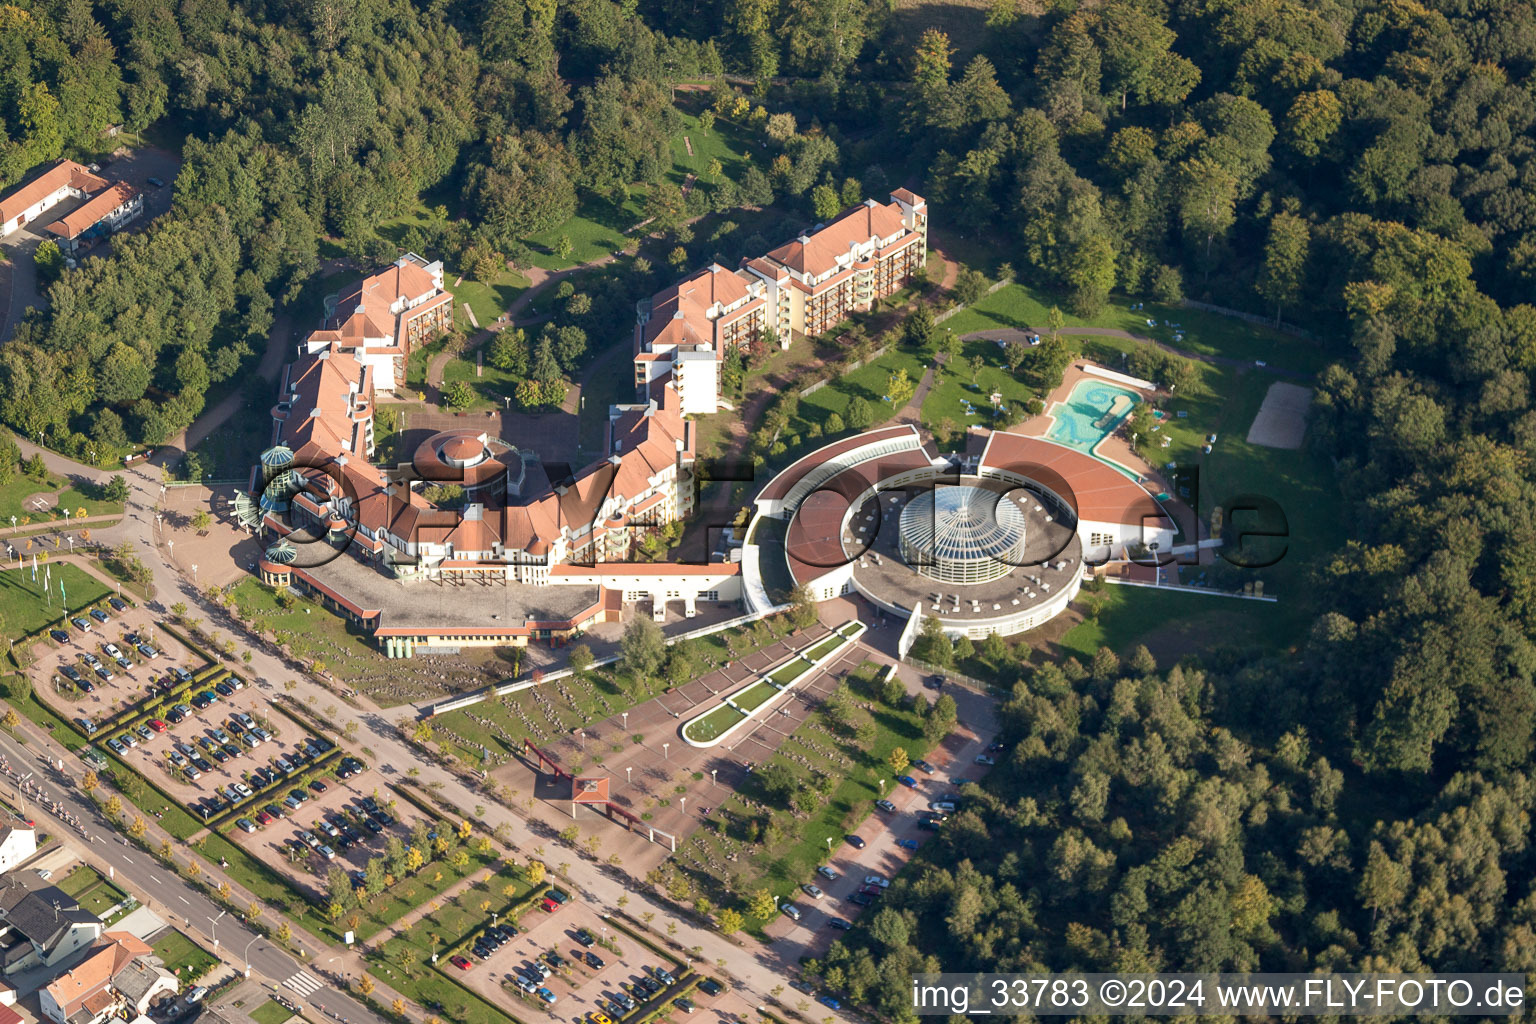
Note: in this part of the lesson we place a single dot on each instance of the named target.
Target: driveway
(18, 281)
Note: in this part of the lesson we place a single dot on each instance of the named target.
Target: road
(167, 893)
(758, 969)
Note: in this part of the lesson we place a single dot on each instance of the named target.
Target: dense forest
(1365, 169)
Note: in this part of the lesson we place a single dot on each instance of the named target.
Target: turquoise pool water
(1091, 412)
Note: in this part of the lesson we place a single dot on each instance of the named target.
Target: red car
(157, 725)
(264, 818)
(463, 963)
(550, 905)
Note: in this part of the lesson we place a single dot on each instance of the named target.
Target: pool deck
(1113, 449)
(1116, 449)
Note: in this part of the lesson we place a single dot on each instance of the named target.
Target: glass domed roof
(962, 533)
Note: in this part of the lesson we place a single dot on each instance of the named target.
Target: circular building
(992, 542)
(962, 534)
(473, 460)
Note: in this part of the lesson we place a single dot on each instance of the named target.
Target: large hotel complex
(805, 287)
(544, 557)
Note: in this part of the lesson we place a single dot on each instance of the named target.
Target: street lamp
(247, 956)
(684, 802)
(213, 924)
(622, 714)
(627, 769)
(712, 773)
(194, 575)
(829, 844)
(664, 751)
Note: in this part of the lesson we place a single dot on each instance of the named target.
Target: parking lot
(579, 987)
(97, 697)
(953, 761)
(340, 807)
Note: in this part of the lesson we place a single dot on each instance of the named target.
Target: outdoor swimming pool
(1091, 412)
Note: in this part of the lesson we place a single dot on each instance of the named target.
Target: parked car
(947, 806)
(144, 731)
(584, 937)
(880, 880)
(112, 650)
(246, 824)
(463, 963)
(70, 672)
(115, 746)
(318, 786)
(59, 635)
(274, 810)
(861, 899)
(831, 1003)
(814, 892)
(854, 841)
(99, 615)
(790, 911)
(80, 624)
(182, 675)
(828, 872)
(985, 759)
(157, 725)
(907, 780)
(147, 651)
(923, 766)
(86, 724)
(263, 817)
(545, 994)
(839, 923)
(683, 1003)
(118, 604)
(886, 806)
(594, 961)
(224, 689)
(299, 795)
(908, 844)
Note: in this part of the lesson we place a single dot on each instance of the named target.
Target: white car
(244, 790)
(112, 650)
(814, 892)
(880, 880)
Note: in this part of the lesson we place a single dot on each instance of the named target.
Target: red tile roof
(1099, 492)
(94, 211)
(780, 485)
(818, 253)
(64, 174)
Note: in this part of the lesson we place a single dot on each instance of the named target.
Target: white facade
(696, 376)
(16, 846)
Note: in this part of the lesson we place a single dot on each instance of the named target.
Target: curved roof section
(780, 486)
(1099, 492)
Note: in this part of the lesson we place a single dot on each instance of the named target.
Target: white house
(17, 844)
(26, 203)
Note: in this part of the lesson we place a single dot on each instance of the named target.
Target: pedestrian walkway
(304, 983)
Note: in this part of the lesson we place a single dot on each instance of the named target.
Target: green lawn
(270, 1012)
(489, 299)
(183, 957)
(490, 387)
(94, 892)
(953, 385)
(261, 881)
(409, 893)
(595, 230)
(704, 729)
(1212, 334)
(1172, 623)
(727, 142)
(14, 495)
(309, 629)
(25, 609)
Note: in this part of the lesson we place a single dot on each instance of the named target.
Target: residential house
(26, 203)
(17, 844)
(105, 213)
(40, 924)
(120, 978)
